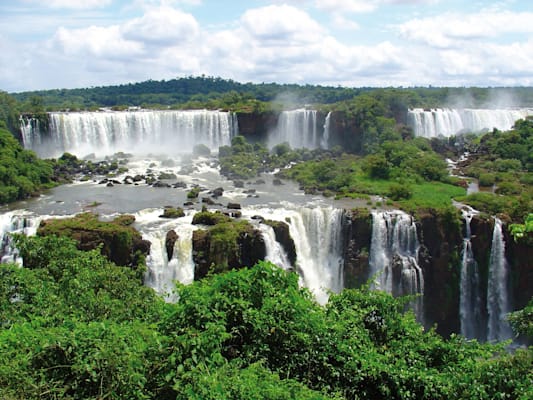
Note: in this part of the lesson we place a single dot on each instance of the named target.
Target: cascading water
(138, 132)
(274, 251)
(15, 222)
(393, 256)
(497, 293)
(448, 122)
(161, 272)
(317, 235)
(470, 308)
(298, 128)
(324, 143)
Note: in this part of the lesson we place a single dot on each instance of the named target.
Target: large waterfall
(394, 256)
(448, 121)
(470, 308)
(497, 291)
(299, 128)
(161, 271)
(317, 235)
(138, 132)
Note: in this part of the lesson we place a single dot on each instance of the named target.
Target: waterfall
(161, 272)
(497, 294)
(470, 308)
(324, 143)
(448, 122)
(317, 235)
(393, 256)
(15, 222)
(138, 132)
(274, 251)
(298, 128)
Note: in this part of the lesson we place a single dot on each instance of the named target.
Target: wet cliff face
(520, 258)
(255, 126)
(357, 239)
(441, 240)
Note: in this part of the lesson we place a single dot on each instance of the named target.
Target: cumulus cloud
(283, 22)
(281, 43)
(450, 29)
(71, 4)
(163, 25)
(350, 6)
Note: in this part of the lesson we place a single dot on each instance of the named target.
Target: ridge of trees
(198, 91)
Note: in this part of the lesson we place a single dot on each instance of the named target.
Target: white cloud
(349, 6)
(279, 43)
(71, 4)
(452, 29)
(101, 42)
(281, 23)
(164, 25)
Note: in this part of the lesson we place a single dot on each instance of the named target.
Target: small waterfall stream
(470, 293)
(394, 256)
(497, 291)
(298, 128)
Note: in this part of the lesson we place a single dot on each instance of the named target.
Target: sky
(57, 44)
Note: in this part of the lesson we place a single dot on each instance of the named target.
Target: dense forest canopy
(74, 325)
(218, 92)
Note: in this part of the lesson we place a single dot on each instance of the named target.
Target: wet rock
(170, 241)
(234, 206)
(172, 212)
(138, 178)
(208, 201)
(259, 182)
(277, 182)
(283, 237)
(217, 192)
(180, 185)
(109, 184)
(160, 184)
(238, 184)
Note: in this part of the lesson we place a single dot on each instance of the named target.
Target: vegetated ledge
(226, 244)
(118, 240)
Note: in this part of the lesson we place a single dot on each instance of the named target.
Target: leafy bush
(487, 180)
(400, 191)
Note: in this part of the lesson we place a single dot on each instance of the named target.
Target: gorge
(455, 275)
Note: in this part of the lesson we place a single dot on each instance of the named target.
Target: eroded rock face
(170, 240)
(226, 244)
(357, 246)
(520, 258)
(283, 237)
(441, 240)
(120, 242)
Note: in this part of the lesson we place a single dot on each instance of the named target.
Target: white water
(393, 256)
(317, 235)
(448, 121)
(274, 250)
(161, 272)
(325, 137)
(137, 132)
(469, 296)
(298, 128)
(15, 222)
(497, 293)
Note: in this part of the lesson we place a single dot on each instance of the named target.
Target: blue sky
(83, 43)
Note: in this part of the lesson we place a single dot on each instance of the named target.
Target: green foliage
(117, 239)
(399, 191)
(77, 326)
(523, 231)
(22, 174)
(486, 180)
(522, 320)
(171, 212)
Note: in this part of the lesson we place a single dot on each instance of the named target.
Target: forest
(78, 323)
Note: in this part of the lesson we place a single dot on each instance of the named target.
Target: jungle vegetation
(75, 325)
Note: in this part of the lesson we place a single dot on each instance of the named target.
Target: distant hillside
(217, 92)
